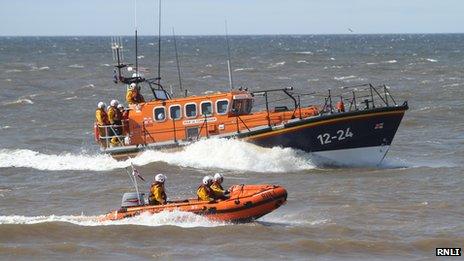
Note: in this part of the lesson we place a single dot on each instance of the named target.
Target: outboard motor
(131, 199)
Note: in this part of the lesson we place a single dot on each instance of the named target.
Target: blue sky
(206, 17)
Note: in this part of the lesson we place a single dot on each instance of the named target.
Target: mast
(177, 60)
(159, 41)
(136, 43)
(229, 63)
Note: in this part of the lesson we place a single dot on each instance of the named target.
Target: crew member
(121, 110)
(157, 193)
(124, 117)
(204, 191)
(133, 95)
(216, 187)
(113, 112)
(340, 105)
(101, 119)
(114, 117)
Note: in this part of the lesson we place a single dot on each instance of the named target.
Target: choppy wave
(302, 217)
(71, 98)
(13, 70)
(19, 101)
(274, 65)
(76, 66)
(165, 218)
(43, 68)
(306, 52)
(211, 153)
(342, 78)
(243, 69)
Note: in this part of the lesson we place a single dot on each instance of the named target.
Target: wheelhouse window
(206, 108)
(175, 112)
(159, 114)
(242, 106)
(221, 106)
(191, 110)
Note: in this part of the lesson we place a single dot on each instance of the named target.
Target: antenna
(159, 41)
(229, 65)
(121, 47)
(177, 59)
(136, 44)
(118, 54)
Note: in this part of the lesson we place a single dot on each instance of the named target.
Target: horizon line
(221, 35)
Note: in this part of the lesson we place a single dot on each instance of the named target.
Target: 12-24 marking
(326, 138)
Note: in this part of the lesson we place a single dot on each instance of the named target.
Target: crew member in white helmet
(157, 192)
(101, 118)
(204, 191)
(133, 94)
(114, 117)
(216, 187)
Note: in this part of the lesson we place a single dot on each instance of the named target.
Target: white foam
(274, 65)
(43, 68)
(13, 71)
(296, 218)
(165, 218)
(234, 155)
(342, 78)
(431, 60)
(301, 61)
(243, 69)
(391, 61)
(76, 65)
(31, 159)
(71, 98)
(307, 52)
(211, 153)
(19, 101)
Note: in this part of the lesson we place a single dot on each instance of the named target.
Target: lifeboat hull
(246, 203)
(360, 138)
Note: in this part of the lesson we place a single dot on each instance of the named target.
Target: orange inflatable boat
(246, 203)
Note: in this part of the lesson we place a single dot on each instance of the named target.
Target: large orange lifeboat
(246, 203)
(358, 134)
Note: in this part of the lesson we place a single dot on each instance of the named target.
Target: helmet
(101, 105)
(132, 86)
(129, 69)
(114, 103)
(207, 180)
(218, 177)
(120, 106)
(160, 178)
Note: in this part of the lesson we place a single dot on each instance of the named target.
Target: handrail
(373, 94)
